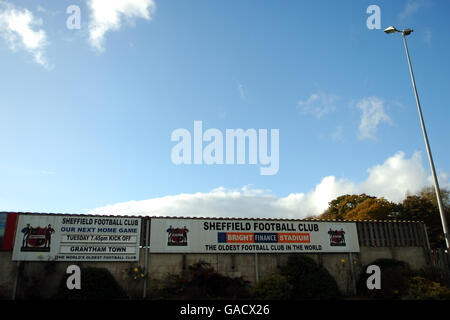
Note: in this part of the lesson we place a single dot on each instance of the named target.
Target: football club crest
(337, 237)
(36, 239)
(177, 236)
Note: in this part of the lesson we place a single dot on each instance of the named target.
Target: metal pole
(430, 158)
(16, 280)
(352, 273)
(147, 248)
(256, 267)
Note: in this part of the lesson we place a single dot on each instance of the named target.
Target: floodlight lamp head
(391, 29)
(407, 32)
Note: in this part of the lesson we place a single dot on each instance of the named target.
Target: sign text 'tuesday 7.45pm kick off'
(75, 238)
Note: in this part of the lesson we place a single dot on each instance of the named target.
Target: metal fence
(439, 258)
(392, 234)
(403, 234)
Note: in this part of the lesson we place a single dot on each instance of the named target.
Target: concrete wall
(338, 264)
(45, 277)
(7, 272)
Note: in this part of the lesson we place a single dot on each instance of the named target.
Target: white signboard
(77, 238)
(244, 236)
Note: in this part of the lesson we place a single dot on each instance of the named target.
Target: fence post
(445, 259)
(426, 243)
(147, 248)
(256, 267)
(352, 270)
(17, 279)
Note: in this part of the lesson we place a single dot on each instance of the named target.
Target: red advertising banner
(8, 222)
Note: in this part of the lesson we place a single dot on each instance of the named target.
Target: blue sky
(86, 119)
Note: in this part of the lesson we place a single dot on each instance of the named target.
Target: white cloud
(109, 15)
(338, 134)
(396, 177)
(428, 35)
(411, 7)
(318, 104)
(218, 202)
(240, 87)
(21, 29)
(46, 11)
(393, 179)
(46, 172)
(373, 114)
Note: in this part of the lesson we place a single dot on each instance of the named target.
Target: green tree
(374, 209)
(272, 287)
(360, 207)
(394, 279)
(96, 284)
(308, 279)
(430, 194)
(339, 207)
(423, 207)
(420, 207)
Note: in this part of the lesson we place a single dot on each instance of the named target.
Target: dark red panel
(10, 230)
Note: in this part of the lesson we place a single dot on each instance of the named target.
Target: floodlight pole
(430, 157)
